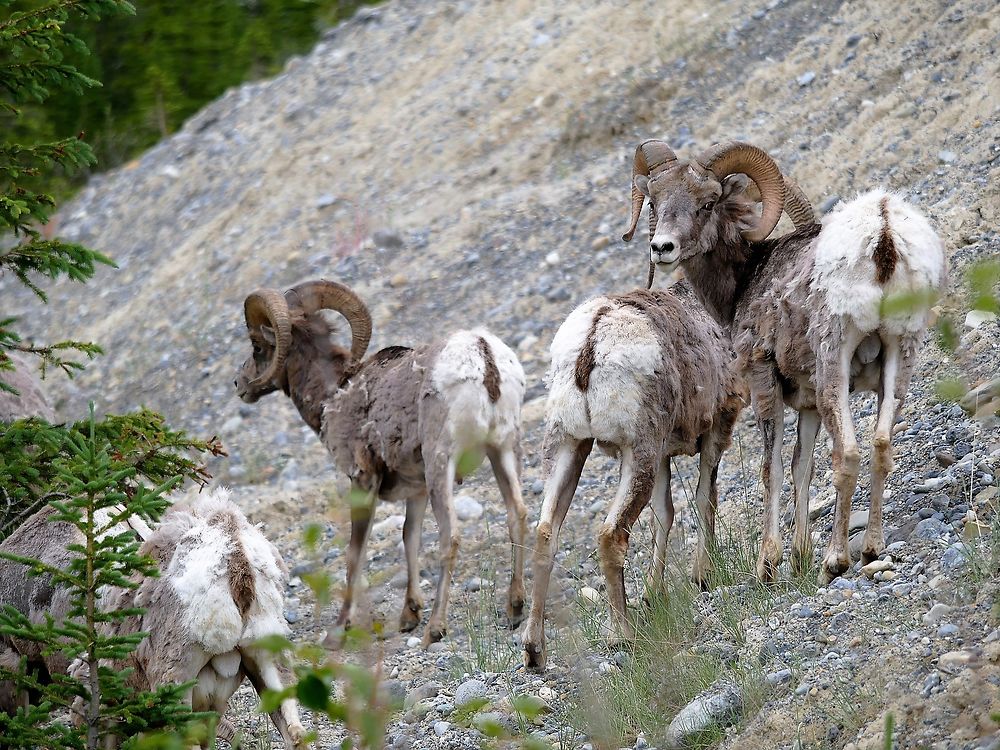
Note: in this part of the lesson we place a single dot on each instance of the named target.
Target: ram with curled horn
(399, 423)
(805, 314)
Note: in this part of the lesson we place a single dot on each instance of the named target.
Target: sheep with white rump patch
(396, 423)
(807, 313)
(646, 375)
(220, 590)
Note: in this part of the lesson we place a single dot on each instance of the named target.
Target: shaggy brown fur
(491, 378)
(241, 581)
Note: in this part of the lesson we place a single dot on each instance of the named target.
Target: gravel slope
(468, 162)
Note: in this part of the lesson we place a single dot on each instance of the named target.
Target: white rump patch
(458, 376)
(845, 270)
(199, 574)
(627, 356)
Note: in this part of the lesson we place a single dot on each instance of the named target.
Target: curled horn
(651, 158)
(724, 159)
(312, 296)
(797, 206)
(269, 306)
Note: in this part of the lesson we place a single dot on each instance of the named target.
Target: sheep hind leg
(835, 409)
(637, 478)
(663, 519)
(890, 399)
(268, 672)
(413, 605)
(802, 472)
(439, 477)
(560, 486)
(506, 463)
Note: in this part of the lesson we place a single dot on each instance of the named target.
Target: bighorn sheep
(806, 313)
(647, 375)
(395, 423)
(220, 590)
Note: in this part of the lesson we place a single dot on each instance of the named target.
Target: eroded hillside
(462, 163)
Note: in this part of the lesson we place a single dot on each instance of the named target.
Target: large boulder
(31, 401)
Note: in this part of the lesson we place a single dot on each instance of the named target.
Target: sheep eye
(708, 206)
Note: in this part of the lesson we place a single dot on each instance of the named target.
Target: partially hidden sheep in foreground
(220, 590)
(825, 311)
(646, 375)
(398, 423)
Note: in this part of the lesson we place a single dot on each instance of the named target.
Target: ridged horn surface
(269, 306)
(651, 158)
(322, 294)
(734, 157)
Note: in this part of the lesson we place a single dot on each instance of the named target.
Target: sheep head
(286, 333)
(697, 203)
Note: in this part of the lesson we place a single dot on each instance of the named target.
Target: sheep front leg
(707, 502)
(412, 528)
(802, 472)
(560, 487)
(268, 672)
(440, 475)
(768, 405)
(638, 475)
(834, 380)
(506, 463)
(362, 511)
(663, 520)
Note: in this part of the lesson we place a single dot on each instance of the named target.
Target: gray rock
(828, 203)
(326, 200)
(778, 678)
(394, 692)
(955, 557)
(930, 528)
(473, 585)
(387, 239)
(291, 616)
(947, 157)
(538, 486)
(936, 612)
(947, 630)
(441, 727)
(420, 693)
(806, 78)
(720, 705)
(467, 508)
(469, 691)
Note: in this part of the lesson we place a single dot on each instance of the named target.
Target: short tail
(491, 376)
(886, 255)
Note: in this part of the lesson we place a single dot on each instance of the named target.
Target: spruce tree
(121, 465)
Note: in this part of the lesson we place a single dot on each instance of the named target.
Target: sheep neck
(311, 380)
(718, 278)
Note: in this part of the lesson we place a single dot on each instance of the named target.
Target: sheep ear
(268, 333)
(642, 182)
(734, 184)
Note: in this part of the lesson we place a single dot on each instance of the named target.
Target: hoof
(801, 560)
(767, 570)
(534, 656)
(870, 551)
(409, 618)
(515, 614)
(434, 634)
(833, 568)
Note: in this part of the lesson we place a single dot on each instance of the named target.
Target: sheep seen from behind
(646, 375)
(398, 423)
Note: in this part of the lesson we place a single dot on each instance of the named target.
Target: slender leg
(890, 400)
(413, 605)
(707, 502)
(638, 475)
(802, 472)
(362, 511)
(769, 405)
(834, 392)
(506, 463)
(440, 476)
(560, 486)
(269, 673)
(663, 520)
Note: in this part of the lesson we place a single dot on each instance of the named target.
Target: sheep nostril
(663, 247)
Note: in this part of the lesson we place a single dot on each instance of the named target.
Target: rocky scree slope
(468, 162)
